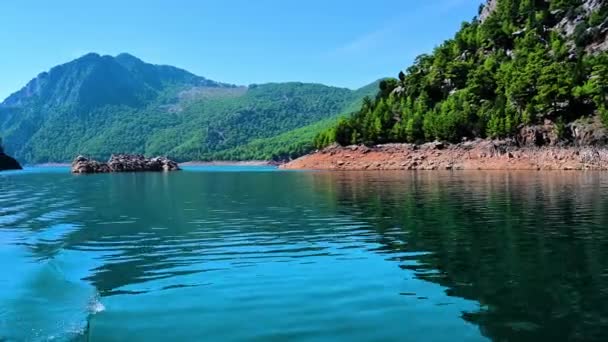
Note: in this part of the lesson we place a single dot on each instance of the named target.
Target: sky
(334, 42)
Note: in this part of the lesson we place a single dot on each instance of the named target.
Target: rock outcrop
(596, 36)
(124, 163)
(586, 131)
(487, 10)
(538, 135)
(8, 163)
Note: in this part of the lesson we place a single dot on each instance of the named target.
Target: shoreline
(229, 163)
(472, 155)
(49, 165)
(189, 163)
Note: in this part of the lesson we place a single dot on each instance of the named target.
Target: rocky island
(124, 163)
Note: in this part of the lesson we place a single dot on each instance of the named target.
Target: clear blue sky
(335, 42)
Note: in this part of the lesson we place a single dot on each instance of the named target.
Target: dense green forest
(99, 105)
(294, 143)
(285, 146)
(527, 61)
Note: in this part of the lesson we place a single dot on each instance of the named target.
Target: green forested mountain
(98, 105)
(285, 146)
(519, 64)
(293, 143)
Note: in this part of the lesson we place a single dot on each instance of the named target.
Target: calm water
(232, 254)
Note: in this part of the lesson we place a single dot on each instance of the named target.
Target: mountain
(532, 70)
(98, 105)
(294, 143)
(93, 80)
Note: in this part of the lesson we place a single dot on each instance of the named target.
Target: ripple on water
(354, 256)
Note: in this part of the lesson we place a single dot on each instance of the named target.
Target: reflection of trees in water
(530, 247)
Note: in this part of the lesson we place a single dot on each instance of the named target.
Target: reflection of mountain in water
(530, 247)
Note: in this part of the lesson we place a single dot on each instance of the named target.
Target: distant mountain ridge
(98, 105)
(100, 80)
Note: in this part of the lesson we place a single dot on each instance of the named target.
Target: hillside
(283, 147)
(98, 105)
(536, 71)
(295, 143)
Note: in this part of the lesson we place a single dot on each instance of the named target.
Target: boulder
(124, 163)
(435, 145)
(588, 132)
(82, 164)
(538, 135)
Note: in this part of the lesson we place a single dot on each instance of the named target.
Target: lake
(258, 254)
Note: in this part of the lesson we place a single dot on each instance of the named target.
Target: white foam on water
(96, 307)
(48, 301)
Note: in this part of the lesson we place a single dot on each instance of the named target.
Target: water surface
(232, 254)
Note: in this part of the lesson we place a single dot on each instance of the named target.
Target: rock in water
(8, 163)
(124, 163)
(84, 165)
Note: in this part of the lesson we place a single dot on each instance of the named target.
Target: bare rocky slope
(583, 146)
(472, 155)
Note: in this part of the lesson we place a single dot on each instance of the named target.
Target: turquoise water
(257, 254)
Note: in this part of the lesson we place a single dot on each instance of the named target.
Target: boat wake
(48, 305)
(96, 307)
